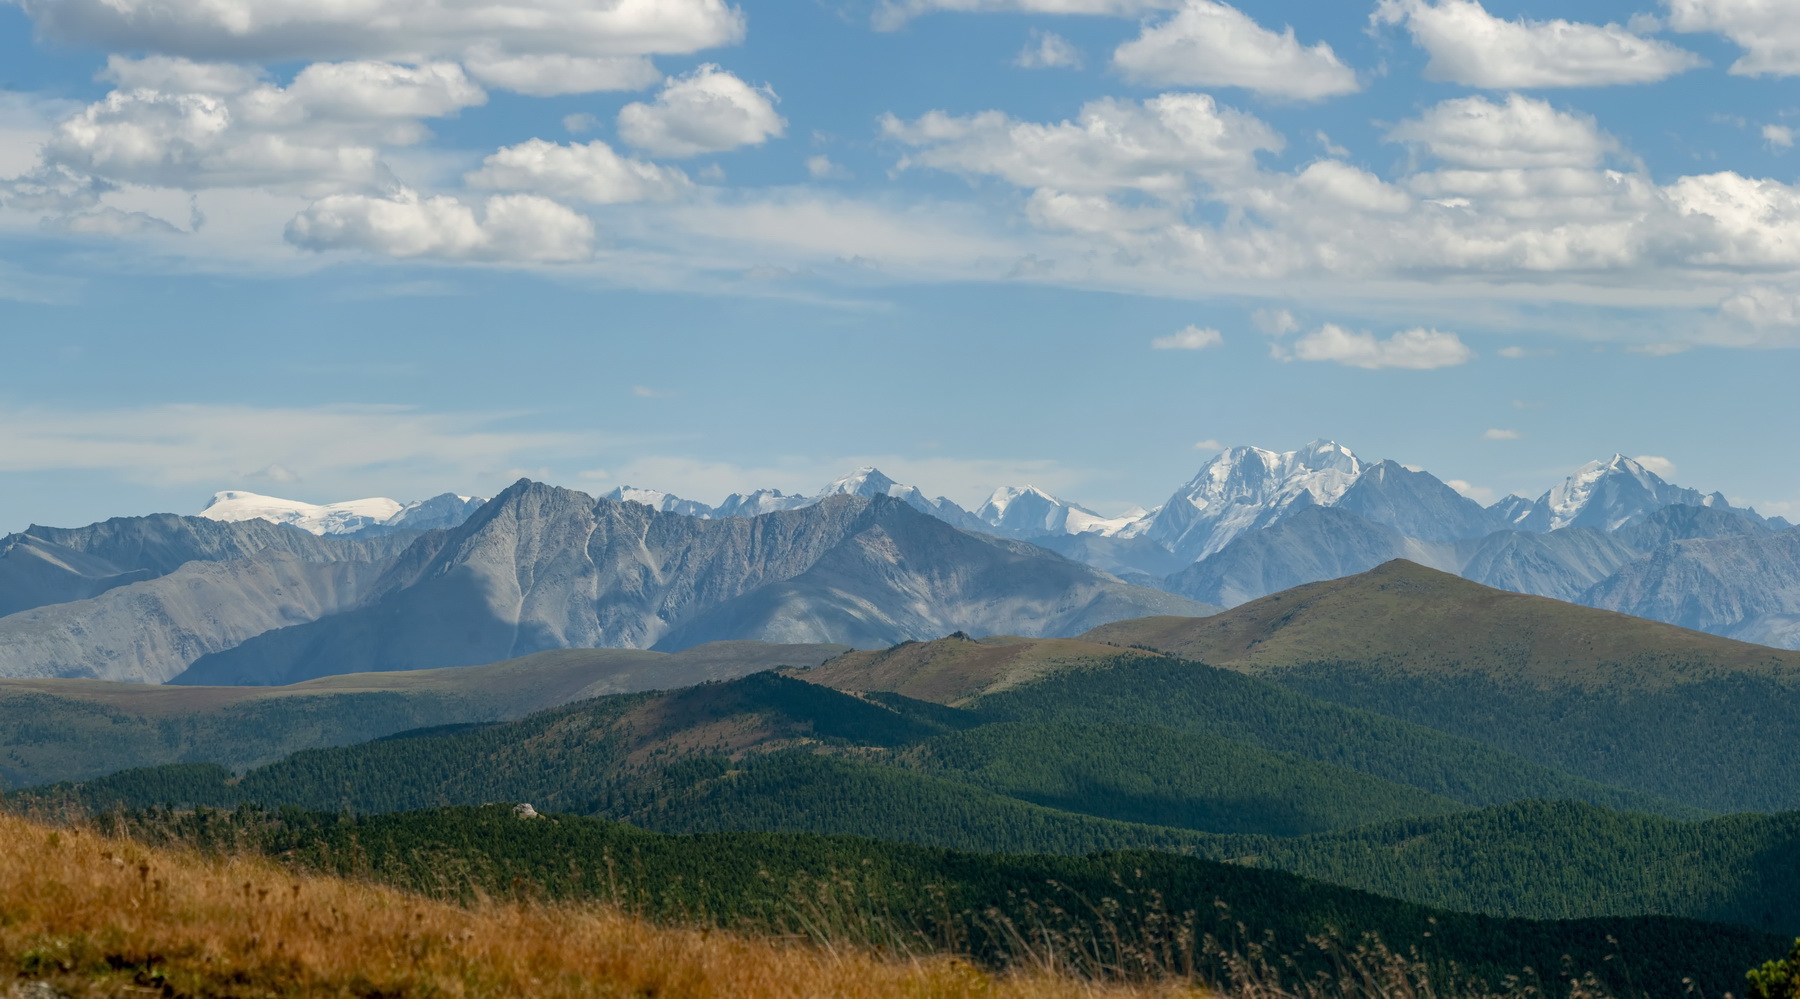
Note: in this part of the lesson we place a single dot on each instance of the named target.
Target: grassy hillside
(89, 915)
(1412, 620)
(52, 730)
(986, 906)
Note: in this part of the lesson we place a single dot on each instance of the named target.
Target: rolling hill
(1626, 701)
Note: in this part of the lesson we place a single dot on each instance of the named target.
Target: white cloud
(822, 168)
(1480, 494)
(1158, 146)
(216, 446)
(894, 13)
(1497, 434)
(555, 74)
(1415, 349)
(592, 172)
(579, 122)
(514, 227)
(1659, 465)
(1275, 322)
(1210, 44)
(320, 133)
(400, 30)
(1189, 338)
(1472, 47)
(1208, 444)
(1048, 50)
(1778, 136)
(1767, 30)
(705, 111)
(1524, 133)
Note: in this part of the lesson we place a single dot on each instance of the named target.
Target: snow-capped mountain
(1246, 488)
(1029, 512)
(1608, 495)
(347, 517)
(656, 499)
(375, 514)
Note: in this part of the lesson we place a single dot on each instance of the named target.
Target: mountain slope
(1415, 620)
(1746, 586)
(541, 568)
(1621, 700)
(1315, 543)
(55, 730)
(50, 565)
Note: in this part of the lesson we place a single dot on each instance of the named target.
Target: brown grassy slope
(95, 916)
(955, 670)
(513, 686)
(1410, 619)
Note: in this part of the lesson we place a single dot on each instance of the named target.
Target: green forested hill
(54, 730)
(1628, 702)
(1559, 860)
(1112, 905)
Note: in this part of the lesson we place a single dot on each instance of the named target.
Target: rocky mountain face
(541, 568)
(52, 565)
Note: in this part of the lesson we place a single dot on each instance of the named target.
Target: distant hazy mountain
(51, 565)
(374, 515)
(1028, 512)
(1315, 543)
(541, 568)
(1746, 586)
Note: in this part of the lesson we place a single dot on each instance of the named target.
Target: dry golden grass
(98, 916)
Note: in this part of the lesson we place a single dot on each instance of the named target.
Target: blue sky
(401, 247)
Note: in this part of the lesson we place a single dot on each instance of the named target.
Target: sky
(404, 247)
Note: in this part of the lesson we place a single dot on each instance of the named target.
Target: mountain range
(1251, 522)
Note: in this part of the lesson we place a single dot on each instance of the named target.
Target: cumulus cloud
(822, 168)
(389, 30)
(1048, 50)
(1767, 30)
(894, 13)
(1472, 47)
(1275, 322)
(1209, 444)
(514, 227)
(1189, 338)
(554, 74)
(1657, 464)
(1520, 133)
(228, 129)
(1480, 494)
(705, 111)
(593, 173)
(1158, 146)
(1209, 44)
(1415, 349)
(1778, 136)
(1497, 434)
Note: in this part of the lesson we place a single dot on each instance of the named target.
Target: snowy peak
(660, 501)
(1245, 488)
(1609, 495)
(347, 517)
(374, 515)
(1029, 512)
